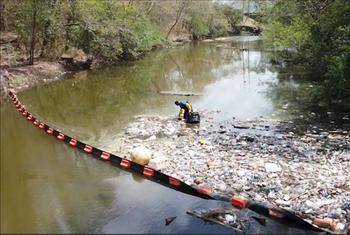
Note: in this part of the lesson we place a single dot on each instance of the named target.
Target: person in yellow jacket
(185, 109)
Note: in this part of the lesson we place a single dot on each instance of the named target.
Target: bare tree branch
(182, 6)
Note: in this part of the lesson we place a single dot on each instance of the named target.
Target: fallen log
(179, 93)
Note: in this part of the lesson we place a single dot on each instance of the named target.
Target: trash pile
(257, 159)
(222, 216)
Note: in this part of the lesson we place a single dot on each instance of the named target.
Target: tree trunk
(178, 16)
(67, 36)
(32, 43)
(66, 39)
(45, 39)
(43, 46)
(150, 8)
(3, 20)
(167, 35)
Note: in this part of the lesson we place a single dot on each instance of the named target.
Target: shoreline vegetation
(84, 35)
(62, 36)
(21, 77)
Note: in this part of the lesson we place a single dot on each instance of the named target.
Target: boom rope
(279, 214)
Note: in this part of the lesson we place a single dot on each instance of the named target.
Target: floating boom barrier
(279, 214)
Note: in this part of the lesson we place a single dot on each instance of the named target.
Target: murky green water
(47, 187)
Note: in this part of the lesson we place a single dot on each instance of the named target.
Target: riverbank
(17, 76)
(262, 160)
(20, 78)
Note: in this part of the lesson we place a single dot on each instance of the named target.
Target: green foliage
(232, 15)
(218, 26)
(293, 34)
(106, 29)
(320, 32)
(207, 19)
(338, 76)
(113, 30)
(21, 20)
(198, 27)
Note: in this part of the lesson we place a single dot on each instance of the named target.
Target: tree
(231, 14)
(206, 19)
(180, 6)
(29, 20)
(33, 31)
(3, 20)
(319, 31)
(106, 29)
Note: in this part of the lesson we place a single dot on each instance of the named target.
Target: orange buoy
(239, 202)
(49, 131)
(41, 125)
(325, 223)
(73, 142)
(174, 181)
(204, 190)
(105, 156)
(125, 163)
(88, 148)
(60, 136)
(148, 172)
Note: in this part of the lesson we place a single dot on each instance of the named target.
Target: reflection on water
(238, 90)
(47, 187)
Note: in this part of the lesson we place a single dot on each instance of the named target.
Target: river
(47, 187)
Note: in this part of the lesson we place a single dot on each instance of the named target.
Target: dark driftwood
(203, 217)
(241, 127)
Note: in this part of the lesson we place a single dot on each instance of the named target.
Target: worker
(185, 109)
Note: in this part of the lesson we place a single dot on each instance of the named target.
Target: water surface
(47, 187)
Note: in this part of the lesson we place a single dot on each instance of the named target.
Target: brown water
(47, 187)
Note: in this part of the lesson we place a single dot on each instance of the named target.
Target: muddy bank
(16, 74)
(258, 159)
(20, 78)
